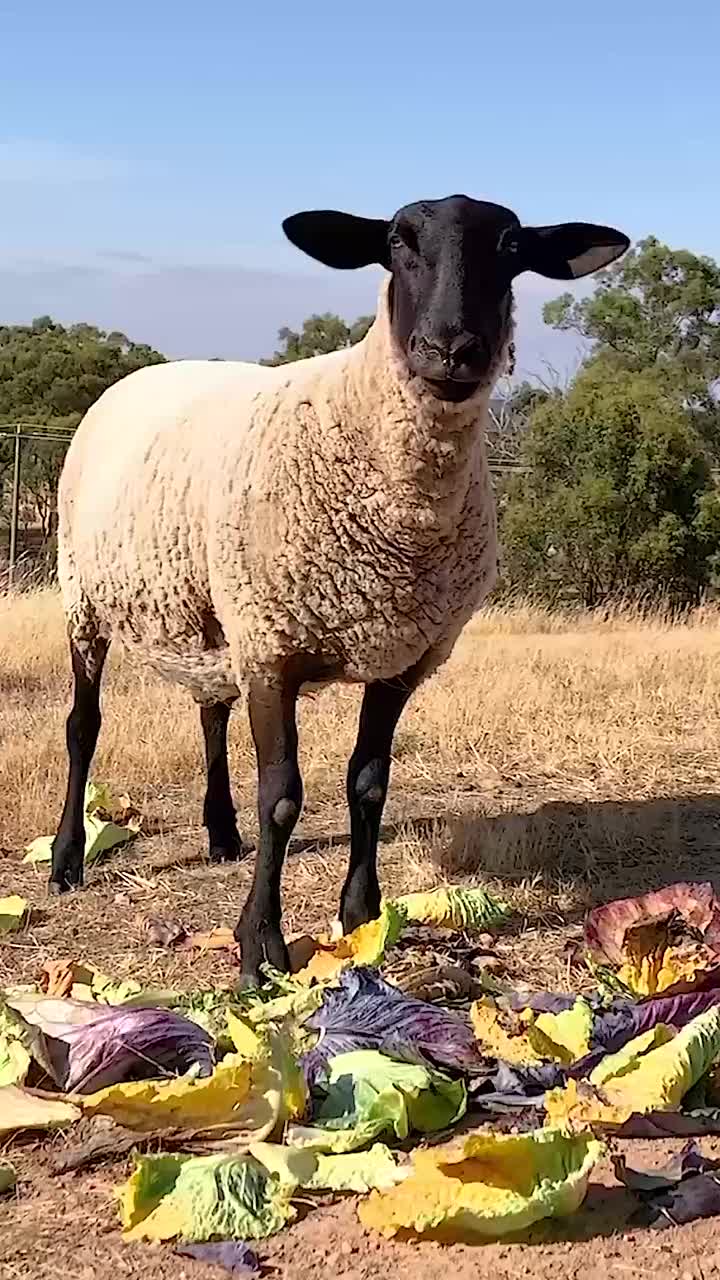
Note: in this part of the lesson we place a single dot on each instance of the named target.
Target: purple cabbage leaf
(234, 1255)
(365, 1012)
(127, 1043)
(682, 1191)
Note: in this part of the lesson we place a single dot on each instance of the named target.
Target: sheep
(245, 529)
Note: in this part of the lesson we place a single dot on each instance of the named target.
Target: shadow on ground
(610, 848)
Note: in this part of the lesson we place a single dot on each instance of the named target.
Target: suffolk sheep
(244, 529)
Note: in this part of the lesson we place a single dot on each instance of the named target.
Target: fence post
(15, 510)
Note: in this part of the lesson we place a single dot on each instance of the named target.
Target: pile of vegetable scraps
(341, 1079)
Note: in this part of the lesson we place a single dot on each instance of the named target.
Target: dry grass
(567, 759)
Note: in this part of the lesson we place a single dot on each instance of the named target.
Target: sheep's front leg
(272, 720)
(367, 785)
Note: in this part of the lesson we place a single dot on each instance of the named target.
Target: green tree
(618, 496)
(656, 307)
(49, 372)
(49, 377)
(318, 336)
(655, 304)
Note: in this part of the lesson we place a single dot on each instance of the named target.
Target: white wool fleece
(218, 517)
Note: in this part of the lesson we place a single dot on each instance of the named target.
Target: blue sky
(148, 152)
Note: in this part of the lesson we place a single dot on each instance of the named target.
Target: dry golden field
(560, 760)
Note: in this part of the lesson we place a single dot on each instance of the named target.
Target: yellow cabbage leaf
(366, 945)
(180, 1197)
(276, 1074)
(22, 1109)
(503, 1036)
(654, 1079)
(452, 907)
(222, 1099)
(360, 1171)
(486, 1185)
(563, 1036)
(12, 913)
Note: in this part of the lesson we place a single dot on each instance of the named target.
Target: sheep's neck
(428, 455)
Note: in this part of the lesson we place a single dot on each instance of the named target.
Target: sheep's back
(133, 500)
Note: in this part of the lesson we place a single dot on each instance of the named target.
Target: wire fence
(23, 540)
(17, 435)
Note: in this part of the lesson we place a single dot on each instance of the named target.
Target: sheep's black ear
(569, 250)
(339, 239)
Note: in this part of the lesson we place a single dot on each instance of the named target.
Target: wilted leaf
(682, 1191)
(201, 1198)
(12, 913)
(222, 1099)
(486, 1185)
(276, 1075)
(85, 983)
(365, 1012)
(101, 832)
(671, 1124)
(501, 1034)
(234, 1255)
(644, 1081)
(376, 1169)
(439, 982)
(513, 1087)
(57, 977)
(366, 945)
(220, 938)
(20, 1044)
(453, 908)
(686, 1162)
(22, 1109)
(563, 1036)
(665, 940)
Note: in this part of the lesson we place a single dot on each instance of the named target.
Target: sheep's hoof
(260, 944)
(231, 850)
(358, 906)
(64, 885)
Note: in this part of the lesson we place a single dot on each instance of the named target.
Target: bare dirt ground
(560, 763)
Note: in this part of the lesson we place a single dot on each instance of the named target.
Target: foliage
(656, 307)
(319, 335)
(617, 498)
(49, 376)
(655, 304)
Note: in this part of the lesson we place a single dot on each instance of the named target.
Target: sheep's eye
(404, 238)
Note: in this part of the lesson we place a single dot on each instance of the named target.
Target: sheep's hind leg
(82, 729)
(367, 785)
(280, 794)
(218, 811)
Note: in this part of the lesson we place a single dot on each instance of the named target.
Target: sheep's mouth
(451, 390)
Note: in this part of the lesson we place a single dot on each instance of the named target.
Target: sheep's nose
(430, 349)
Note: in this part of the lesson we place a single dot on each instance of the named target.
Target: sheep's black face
(453, 263)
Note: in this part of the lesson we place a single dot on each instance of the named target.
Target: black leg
(83, 726)
(367, 785)
(272, 720)
(218, 810)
